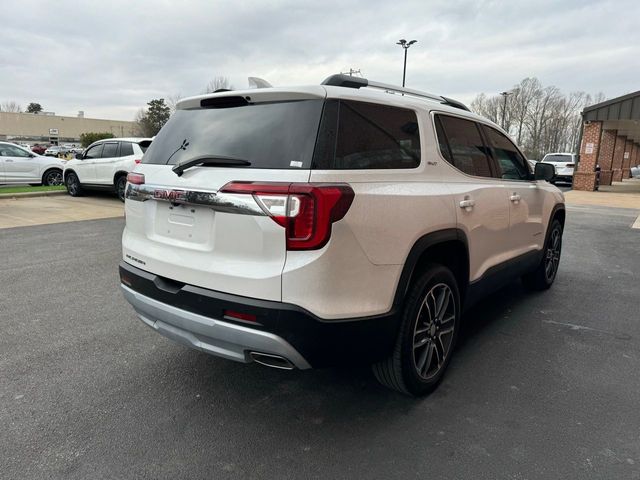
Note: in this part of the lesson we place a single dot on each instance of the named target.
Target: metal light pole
(504, 106)
(405, 45)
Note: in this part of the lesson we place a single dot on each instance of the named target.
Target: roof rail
(341, 80)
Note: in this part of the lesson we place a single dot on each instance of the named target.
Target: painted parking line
(636, 224)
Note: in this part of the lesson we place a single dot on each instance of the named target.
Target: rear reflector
(247, 317)
(305, 210)
(135, 178)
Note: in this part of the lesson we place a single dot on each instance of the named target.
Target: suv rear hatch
(183, 228)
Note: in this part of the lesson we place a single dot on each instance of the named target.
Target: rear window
(360, 135)
(277, 135)
(558, 158)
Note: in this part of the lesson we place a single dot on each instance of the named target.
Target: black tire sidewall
(432, 276)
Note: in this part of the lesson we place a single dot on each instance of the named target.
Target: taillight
(135, 178)
(137, 160)
(305, 210)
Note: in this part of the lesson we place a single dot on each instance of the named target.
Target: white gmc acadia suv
(104, 165)
(346, 222)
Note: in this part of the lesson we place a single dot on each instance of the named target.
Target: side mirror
(31, 155)
(78, 156)
(544, 171)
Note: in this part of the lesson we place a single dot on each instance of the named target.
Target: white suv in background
(564, 164)
(104, 165)
(348, 222)
(20, 166)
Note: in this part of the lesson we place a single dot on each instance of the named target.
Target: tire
(431, 314)
(120, 184)
(74, 188)
(52, 177)
(545, 273)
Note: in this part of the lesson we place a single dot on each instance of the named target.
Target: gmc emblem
(171, 195)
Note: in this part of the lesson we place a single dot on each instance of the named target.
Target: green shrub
(88, 138)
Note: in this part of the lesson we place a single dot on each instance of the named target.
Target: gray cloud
(110, 58)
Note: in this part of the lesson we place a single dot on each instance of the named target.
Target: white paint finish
(25, 166)
(339, 281)
(636, 224)
(102, 171)
(238, 254)
(486, 224)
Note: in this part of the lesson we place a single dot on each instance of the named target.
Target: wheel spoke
(445, 331)
(448, 319)
(420, 343)
(423, 358)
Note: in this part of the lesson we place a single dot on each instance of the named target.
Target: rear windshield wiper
(211, 161)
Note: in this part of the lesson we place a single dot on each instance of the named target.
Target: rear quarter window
(360, 135)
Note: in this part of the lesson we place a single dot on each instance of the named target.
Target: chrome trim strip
(220, 202)
(209, 335)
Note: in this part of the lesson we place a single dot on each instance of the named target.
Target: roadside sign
(626, 155)
(53, 131)
(588, 148)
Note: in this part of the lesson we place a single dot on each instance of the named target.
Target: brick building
(611, 140)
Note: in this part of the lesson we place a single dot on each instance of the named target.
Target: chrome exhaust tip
(273, 361)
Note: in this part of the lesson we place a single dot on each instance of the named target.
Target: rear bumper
(194, 316)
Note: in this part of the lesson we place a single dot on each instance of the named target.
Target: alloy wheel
(434, 331)
(54, 178)
(552, 255)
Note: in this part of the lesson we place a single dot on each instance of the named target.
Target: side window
(94, 152)
(511, 164)
(359, 135)
(126, 149)
(110, 150)
(11, 151)
(466, 150)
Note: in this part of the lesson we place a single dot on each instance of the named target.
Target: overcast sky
(109, 58)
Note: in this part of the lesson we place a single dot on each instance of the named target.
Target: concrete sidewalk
(23, 212)
(624, 194)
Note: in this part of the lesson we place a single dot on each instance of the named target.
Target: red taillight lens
(137, 160)
(306, 210)
(135, 178)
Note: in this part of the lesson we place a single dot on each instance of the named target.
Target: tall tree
(153, 118)
(541, 119)
(34, 108)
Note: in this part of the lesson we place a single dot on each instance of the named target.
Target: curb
(33, 194)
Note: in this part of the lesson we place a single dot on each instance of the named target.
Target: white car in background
(564, 163)
(21, 166)
(104, 165)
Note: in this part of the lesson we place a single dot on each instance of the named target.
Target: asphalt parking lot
(542, 385)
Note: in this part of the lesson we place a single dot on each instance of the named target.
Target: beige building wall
(31, 127)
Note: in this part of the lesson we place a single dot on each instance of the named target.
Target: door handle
(8, 161)
(515, 198)
(467, 204)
